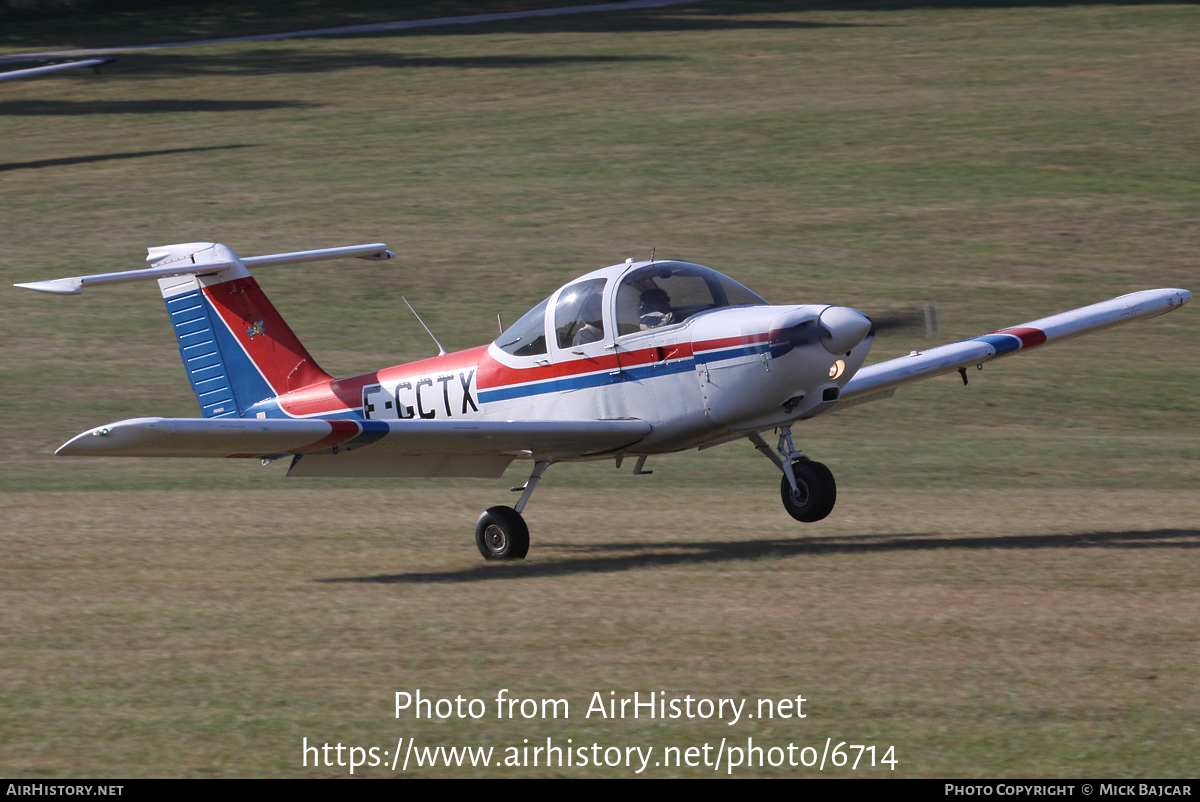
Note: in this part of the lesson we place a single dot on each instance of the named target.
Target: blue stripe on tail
(224, 380)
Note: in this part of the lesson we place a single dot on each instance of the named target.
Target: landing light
(835, 370)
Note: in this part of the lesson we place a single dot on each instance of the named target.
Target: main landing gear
(501, 533)
(808, 488)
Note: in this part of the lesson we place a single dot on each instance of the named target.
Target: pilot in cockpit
(654, 309)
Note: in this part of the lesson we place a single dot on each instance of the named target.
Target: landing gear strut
(501, 533)
(808, 489)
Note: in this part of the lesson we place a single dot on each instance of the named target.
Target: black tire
(828, 488)
(501, 534)
(817, 492)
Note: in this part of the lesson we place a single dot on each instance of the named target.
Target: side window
(579, 314)
(526, 337)
(737, 295)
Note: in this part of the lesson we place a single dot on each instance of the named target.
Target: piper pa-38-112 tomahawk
(628, 361)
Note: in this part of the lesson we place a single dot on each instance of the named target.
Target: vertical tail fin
(235, 346)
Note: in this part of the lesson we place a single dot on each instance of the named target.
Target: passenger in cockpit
(591, 313)
(654, 309)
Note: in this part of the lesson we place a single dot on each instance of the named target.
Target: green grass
(1009, 563)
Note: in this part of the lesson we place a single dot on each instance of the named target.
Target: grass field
(1008, 584)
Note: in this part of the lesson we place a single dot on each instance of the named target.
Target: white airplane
(626, 362)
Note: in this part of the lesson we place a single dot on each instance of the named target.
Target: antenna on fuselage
(441, 350)
(500, 322)
(651, 254)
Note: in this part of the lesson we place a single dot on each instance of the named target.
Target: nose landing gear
(815, 493)
(808, 488)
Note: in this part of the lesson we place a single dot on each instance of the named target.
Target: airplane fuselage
(695, 383)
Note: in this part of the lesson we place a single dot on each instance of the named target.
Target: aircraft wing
(70, 65)
(881, 381)
(340, 447)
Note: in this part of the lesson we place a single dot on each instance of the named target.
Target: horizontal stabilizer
(180, 260)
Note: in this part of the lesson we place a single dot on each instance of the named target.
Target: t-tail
(236, 348)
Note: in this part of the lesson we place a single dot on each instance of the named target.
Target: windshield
(526, 337)
(668, 293)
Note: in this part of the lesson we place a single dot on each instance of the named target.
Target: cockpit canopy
(662, 294)
(651, 296)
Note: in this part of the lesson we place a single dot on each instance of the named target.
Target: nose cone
(843, 328)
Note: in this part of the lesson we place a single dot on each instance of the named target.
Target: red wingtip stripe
(342, 430)
(1030, 338)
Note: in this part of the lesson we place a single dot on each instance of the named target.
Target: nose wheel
(815, 493)
(808, 488)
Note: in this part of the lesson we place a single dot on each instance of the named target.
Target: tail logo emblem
(256, 329)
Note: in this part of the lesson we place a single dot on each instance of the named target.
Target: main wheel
(501, 534)
(816, 492)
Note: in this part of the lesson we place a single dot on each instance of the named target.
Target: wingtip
(55, 287)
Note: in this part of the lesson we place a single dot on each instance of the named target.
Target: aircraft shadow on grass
(71, 108)
(302, 60)
(104, 157)
(720, 16)
(703, 552)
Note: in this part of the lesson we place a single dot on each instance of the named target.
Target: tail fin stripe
(253, 330)
(199, 350)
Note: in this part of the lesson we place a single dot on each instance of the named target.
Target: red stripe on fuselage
(730, 342)
(339, 395)
(1030, 338)
(493, 374)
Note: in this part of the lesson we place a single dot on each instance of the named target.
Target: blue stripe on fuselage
(600, 379)
(630, 374)
(732, 353)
